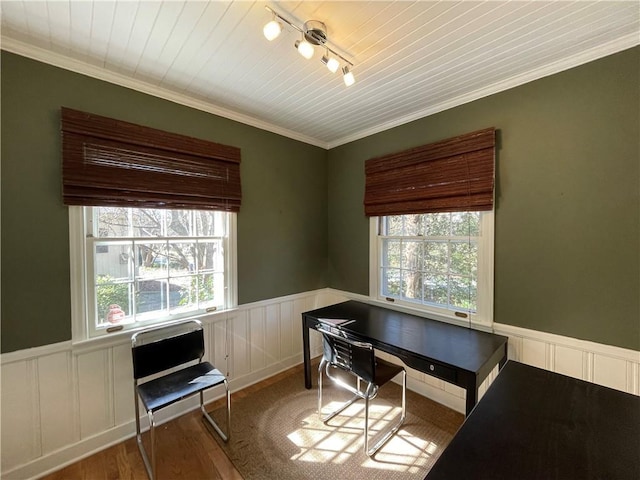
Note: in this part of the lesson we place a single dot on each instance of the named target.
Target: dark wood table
(458, 355)
(536, 424)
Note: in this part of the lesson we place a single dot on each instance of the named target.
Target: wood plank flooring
(186, 450)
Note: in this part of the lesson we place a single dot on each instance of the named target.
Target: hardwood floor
(186, 450)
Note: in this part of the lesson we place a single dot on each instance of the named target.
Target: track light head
(305, 48)
(348, 77)
(331, 63)
(272, 29)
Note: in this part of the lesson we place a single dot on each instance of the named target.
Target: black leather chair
(358, 360)
(158, 350)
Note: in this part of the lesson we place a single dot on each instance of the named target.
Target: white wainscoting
(613, 367)
(63, 402)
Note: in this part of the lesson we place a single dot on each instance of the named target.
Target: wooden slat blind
(451, 175)
(110, 162)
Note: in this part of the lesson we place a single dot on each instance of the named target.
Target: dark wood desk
(457, 355)
(536, 424)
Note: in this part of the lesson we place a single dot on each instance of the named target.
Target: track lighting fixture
(314, 34)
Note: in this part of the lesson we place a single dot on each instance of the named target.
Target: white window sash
(83, 326)
(483, 317)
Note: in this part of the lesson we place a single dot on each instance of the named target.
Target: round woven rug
(276, 434)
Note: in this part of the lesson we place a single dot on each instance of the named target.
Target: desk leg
(472, 398)
(306, 354)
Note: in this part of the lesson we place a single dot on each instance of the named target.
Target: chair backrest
(349, 354)
(157, 349)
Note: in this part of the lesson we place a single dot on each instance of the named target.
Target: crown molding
(77, 66)
(587, 56)
(62, 61)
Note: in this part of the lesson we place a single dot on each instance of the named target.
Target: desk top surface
(464, 348)
(533, 423)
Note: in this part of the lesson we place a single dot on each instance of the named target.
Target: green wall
(567, 202)
(567, 209)
(282, 225)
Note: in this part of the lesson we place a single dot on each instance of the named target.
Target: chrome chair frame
(358, 359)
(161, 352)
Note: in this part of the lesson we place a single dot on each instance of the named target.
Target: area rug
(276, 434)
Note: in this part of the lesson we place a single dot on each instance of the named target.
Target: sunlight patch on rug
(343, 437)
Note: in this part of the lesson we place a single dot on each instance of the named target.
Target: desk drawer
(445, 373)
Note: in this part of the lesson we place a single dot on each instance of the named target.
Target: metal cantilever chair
(159, 349)
(358, 359)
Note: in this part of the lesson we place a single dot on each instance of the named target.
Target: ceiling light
(272, 29)
(331, 63)
(348, 77)
(305, 48)
(314, 34)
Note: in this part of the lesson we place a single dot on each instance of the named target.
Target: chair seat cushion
(163, 391)
(385, 371)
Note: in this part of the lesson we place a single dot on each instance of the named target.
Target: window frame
(84, 325)
(482, 318)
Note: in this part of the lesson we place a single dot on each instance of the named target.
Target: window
(431, 240)
(438, 262)
(142, 266)
(152, 223)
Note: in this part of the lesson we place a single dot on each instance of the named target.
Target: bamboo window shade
(452, 175)
(107, 162)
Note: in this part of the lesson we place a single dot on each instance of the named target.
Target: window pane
(411, 255)
(111, 222)
(188, 294)
(463, 258)
(394, 226)
(412, 284)
(112, 260)
(182, 258)
(437, 224)
(412, 225)
(210, 224)
(436, 257)
(209, 256)
(465, 224)
(207, 291)
(179, 223)
(391, 253)
(151, 296)
(113, 300)
(463, 293)
(147, 222)
(391, 282)
(436, 289)
(152, 259)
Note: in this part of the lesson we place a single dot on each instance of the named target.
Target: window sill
(402, 307)
(124, 336)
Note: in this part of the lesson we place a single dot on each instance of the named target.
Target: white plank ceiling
(411, 58)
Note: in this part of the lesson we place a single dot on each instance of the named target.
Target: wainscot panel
(89, 388)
